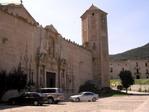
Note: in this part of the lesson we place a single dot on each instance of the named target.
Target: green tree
(13, 80)
(126, 79)
(3, 82)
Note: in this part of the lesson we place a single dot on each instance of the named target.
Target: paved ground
(135, 103)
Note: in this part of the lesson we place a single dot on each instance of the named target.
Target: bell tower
(95, 38)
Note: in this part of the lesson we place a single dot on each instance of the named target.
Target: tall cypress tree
(126, 79)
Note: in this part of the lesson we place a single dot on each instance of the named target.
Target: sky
(128, 20)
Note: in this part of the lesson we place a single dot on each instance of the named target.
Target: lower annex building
(48, 59)
(138, 68)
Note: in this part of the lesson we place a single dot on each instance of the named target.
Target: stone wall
(18, 44)
(140, 88)
(39, 51)
(138, 68)
(95, 38)
(79, 62)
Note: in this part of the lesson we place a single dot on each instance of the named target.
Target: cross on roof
(21, 1)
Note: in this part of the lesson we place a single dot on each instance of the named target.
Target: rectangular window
(136, 63)
(111, 70)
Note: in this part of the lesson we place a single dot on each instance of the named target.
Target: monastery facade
(138, 68)
(48, 59)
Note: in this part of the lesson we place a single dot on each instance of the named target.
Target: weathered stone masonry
(46, 57)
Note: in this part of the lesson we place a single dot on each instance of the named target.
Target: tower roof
(93, 8)
(51, 27)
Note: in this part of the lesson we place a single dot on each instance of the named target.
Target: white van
(54, 95)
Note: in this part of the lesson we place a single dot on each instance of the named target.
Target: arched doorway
(138, 77)
(51, 79)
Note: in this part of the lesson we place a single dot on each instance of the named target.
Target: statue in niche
(42, 52)
(63, 79)
(51, 48)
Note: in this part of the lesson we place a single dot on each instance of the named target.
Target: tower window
(111, 70)
(122, 69)
(93, 14)
(136, 63)
(137, 71)
(147, 72)
(94, 46)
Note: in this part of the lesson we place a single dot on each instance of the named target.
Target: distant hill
(140, 53)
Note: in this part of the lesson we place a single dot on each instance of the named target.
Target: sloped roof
(93, 8)
(18, 10)
(51, 28)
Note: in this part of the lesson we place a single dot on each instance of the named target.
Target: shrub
(105, 90)
(3, 80)
(140, 90)
(90, 86)
(16, 80)
(12, 80)
(145, 90)
(119, 87)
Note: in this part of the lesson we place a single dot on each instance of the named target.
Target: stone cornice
(74, 43)
(5, 10)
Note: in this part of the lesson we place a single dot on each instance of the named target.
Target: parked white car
(84, 96)
(54, 95)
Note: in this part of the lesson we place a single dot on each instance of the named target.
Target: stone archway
(138, 77)
(51, 79)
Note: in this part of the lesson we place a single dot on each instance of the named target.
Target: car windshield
(47, 90)
(40, 95)
(81, 93)
(60, 90)
(22, 95)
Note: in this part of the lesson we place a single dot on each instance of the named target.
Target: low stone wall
(141, 88)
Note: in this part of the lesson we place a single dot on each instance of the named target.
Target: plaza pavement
(138, 102)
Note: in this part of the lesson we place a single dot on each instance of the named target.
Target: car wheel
(94, 99)
(50, 100)
(77, 99)
(40, 104)
(35, 103)
(56, 102)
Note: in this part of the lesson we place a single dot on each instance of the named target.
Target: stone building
(46, 57)
(138, 68)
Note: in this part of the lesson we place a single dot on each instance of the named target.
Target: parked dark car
(34, 98)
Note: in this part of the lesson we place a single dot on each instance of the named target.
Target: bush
(90, 86)
(3, 80)
(119, 87)
(105, 90)
(12, 80)
(140, 90)
(145, 90)
(16, 80)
